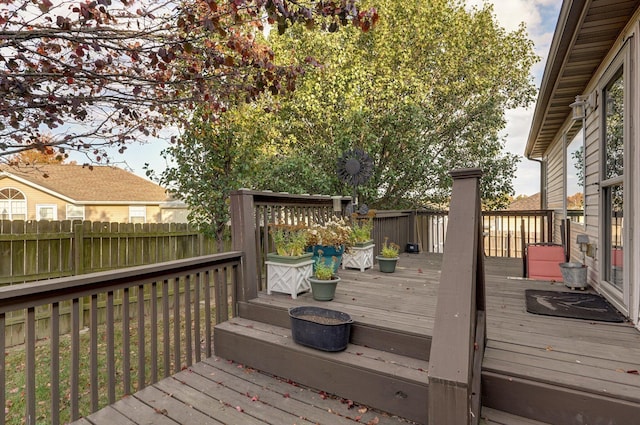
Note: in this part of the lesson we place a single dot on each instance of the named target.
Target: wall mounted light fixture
(579, 108)
(581, 104)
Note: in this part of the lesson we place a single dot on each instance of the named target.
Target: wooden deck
(567, 361)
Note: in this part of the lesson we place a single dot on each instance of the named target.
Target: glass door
(612, 185)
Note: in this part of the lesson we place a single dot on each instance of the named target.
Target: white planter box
(289, 278)
(358, 257)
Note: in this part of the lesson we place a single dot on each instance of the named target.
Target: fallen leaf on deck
(549, 348)
(633, 372)
(239, 409)
(374, 421)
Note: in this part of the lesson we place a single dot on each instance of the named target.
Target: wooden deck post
(460, 329)
(243, 237)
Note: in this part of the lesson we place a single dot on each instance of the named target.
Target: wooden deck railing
(253, 211)
(146, 322)
(459, 332)
(503, 232)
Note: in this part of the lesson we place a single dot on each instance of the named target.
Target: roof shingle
(96, 184)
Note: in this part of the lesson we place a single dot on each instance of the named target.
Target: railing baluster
(55, 363)
(126, 342)
(111, 358)
(196, 316)
(141, 350)
(3, 367)
(176, 325)
(93, 364)
(154, 331)
(221, 305)
(187, 320)
(207, 313)
(30, 366)
(75, 359)
(166, 353)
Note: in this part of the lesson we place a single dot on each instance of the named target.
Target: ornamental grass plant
(389, 249)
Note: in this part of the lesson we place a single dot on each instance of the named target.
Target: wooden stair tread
(562, 373)
(497, 417)
(391, 382)
(355, 355)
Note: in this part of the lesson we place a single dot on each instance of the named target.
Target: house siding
(593, 157)
(34, 197)
(555, 182)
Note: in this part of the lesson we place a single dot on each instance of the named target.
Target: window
(13, 204)
(137, 214)
(46, 212)
(574, 173)
(613, 179)
(75, 212)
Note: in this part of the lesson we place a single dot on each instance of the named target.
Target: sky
(540, 17)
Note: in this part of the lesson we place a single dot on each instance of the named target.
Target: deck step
(390, 382)
(558, 392)
(497, 417)
(365, 331)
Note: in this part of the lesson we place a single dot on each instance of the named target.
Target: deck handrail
(459, 333)
(170, 296)
(253, 211)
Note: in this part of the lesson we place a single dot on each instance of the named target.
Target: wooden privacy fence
(147, 333)
(34, 250)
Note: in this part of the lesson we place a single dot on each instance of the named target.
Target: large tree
(423, 93)
(211, 159)
(103, 73)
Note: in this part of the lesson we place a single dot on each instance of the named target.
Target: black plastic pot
(307, 328)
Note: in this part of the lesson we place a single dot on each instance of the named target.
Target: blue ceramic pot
(329, 253)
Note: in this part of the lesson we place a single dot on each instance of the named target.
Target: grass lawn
(15, 371)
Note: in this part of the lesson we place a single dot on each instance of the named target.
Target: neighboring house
(528, 203)
(74, 192)
(583, 131)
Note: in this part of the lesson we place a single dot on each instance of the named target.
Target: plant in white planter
(359, 255)
(289, 267)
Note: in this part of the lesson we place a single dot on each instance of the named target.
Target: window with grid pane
(13, 204)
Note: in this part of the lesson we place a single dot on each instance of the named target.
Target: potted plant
(323, 281)
(359, 255)
(289, 266)
(388, 256)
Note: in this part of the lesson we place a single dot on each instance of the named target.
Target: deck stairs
(379, 368)
(387, 369)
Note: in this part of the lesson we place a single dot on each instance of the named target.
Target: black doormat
(574, 305)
